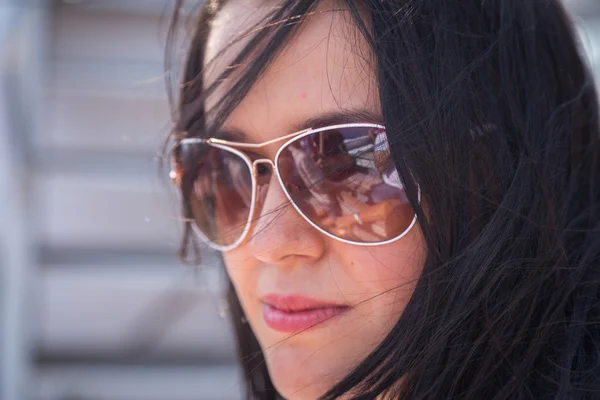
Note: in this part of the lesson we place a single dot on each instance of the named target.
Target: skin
(325, 67)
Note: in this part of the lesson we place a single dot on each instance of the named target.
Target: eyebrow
(318, 121)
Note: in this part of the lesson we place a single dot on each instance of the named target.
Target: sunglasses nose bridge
(256, 162)
(257, 166)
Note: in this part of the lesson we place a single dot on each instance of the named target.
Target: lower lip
(294, 322)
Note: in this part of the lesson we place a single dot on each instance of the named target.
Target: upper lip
(295, 303)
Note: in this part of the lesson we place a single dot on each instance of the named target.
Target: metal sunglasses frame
(232, 147)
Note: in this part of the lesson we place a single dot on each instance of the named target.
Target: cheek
(383, 267)
(382, 278)
(242, 270)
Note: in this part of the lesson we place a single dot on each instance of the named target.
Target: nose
(281, 236)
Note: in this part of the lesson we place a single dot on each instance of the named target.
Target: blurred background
(94, 304)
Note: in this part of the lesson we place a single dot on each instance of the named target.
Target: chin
(298, 374)
(294, 389)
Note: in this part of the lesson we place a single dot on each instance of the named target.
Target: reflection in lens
(345, 181)
(221, 196)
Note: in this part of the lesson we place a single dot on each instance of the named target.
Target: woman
(488, 288)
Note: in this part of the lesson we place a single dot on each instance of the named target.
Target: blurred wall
(98, 300)
(93, 302)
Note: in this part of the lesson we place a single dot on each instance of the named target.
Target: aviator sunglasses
(340, 178)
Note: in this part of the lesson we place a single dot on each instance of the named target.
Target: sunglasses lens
(221, 195)
(345, 182)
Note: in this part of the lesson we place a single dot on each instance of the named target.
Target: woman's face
(325, 68)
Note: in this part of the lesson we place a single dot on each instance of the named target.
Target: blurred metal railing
(23, 27)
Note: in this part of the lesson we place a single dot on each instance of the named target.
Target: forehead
(325, 67)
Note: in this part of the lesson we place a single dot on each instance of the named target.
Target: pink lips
(292, 314)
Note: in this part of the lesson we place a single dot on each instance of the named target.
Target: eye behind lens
(346, 183)
(222, 196)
